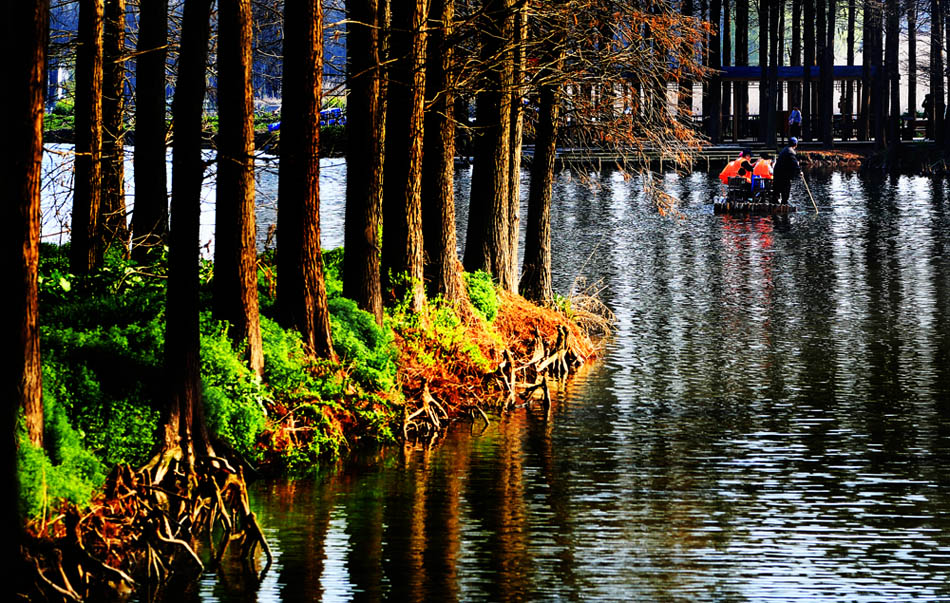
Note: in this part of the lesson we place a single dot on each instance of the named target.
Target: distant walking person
(795, 123)
(786, 168)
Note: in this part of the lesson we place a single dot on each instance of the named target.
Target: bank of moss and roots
(97, 521)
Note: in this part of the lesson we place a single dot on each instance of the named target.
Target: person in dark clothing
(786, 168)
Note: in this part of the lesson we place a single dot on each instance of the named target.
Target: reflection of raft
(755, 198)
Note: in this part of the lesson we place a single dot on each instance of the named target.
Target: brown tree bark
(438, 163)
(235, 251)
(25, 42)
(742, 59)
(726, 60)
(808, 51)
(892, 69)
(365, 137)
(112, 210)
(765, 100)
(301, 291)
(827, 77)
(848, 92)
(911, 59)
(402, 180)
(86, 239)
(795, 58)
(536, 281)
(150, 215)
(26, 36)
(936, 70)
(184, 423)
(774, 58)
(487, 247)
(685, 94)
(518, 90)
(715, 62)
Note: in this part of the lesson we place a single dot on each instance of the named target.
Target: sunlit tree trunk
(518, 90)
(878, 84)
(402, 180)
(150, 215)
(235, 251)
(26, 32)
(184, 422)
(487, 247)
(115, 226)
(438, 168)
(365, 137)
(301, 290)
(24, 45)
(87, 193)
(536, 281)
(864, 120)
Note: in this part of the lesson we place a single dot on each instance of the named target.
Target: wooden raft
(725, 206)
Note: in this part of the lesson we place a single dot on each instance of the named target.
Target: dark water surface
(769, 421)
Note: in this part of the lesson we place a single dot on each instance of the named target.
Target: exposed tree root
(144, 529)
(531, 346)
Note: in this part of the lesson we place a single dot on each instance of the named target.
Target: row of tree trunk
(812, 40)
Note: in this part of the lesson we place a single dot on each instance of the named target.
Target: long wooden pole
(809, 192)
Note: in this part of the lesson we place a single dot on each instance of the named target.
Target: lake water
(770, 420)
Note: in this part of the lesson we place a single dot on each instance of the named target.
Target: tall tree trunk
(892, 69)
(780, 32)
(867, 41)
(795, 58)
(518, 90)
(911, 62)
(726, 61)
(771, 122)
(115, 226)
(536, 281)
(808, 52)
(301, 290)
(685, 94)
(487, 247)
(25, 45)
(827, 78)
(402, 181)
(766, 106)
(26, 37)
(742, 59)
(365, 136)
(87, 193)
(936, 71)
(184, 424)
(150, 216)
(235, 251)
(878, 80)
(715, 62)
(847, 117)
(438, 167)
(821, 40)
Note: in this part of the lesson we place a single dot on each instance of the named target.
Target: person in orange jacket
(763, 167)
(732, 168)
